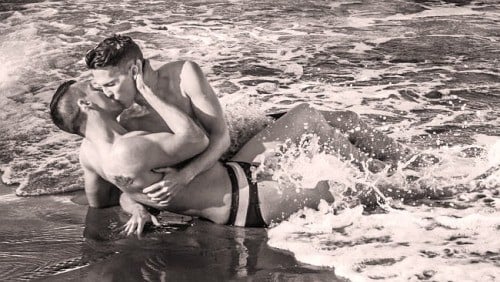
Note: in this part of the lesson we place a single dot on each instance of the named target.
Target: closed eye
(95, 88)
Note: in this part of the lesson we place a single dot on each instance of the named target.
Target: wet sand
(52, 238)
(425, 72)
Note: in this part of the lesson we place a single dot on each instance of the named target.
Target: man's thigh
(277, 202)
(345, 121)
(291, 126)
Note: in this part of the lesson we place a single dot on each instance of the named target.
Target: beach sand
(426, 73)
(52, 238)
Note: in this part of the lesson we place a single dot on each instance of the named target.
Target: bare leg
(367, 139)
(293, 125)
(276, 204)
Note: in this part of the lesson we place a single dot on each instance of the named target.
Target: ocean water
(424, 72)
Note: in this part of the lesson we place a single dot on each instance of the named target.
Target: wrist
(138, 208)
(145, 91)
(189, 175)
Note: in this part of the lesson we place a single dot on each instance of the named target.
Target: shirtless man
(114, 63)
(224, 193)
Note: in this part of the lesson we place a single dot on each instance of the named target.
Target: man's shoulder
(127, 145)
(85, 155)
(132, 153)
(179, 67)
(175, 66)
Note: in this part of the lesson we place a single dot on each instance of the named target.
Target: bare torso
(211, 188)
(207, 196)
(169, 89)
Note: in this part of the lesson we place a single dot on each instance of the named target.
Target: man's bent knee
(305, 111)
(350, 116)
(303, 107)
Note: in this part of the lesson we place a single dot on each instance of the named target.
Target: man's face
(117, 84)
(97, 97)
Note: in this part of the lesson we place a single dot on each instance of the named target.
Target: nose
(108, 93)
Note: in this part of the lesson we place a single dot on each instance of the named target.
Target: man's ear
(134, 70)
(84, 104)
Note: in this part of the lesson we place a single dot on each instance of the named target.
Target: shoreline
(51, 238)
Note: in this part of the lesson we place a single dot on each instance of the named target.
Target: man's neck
(151, 80)
(103, 130)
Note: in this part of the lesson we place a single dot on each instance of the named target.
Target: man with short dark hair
(227, 193)
(67, 116)
(114, 63)
(112, 156)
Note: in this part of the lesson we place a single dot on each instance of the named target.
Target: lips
(121, 104)
(118, 103)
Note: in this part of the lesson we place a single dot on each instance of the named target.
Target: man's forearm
(178, 121)
(129, 205)
(219, 143)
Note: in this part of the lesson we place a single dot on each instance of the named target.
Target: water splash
(245, 117)
(425, 72)
(430, 222)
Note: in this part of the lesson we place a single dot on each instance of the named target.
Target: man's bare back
(129, 165)
(181, 84)
(129, 161)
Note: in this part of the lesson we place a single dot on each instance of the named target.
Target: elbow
(199, 141)
(225, 140)
(203, 142)
(219, 141)
(222, 140)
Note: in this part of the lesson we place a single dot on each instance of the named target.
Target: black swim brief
(245, 207)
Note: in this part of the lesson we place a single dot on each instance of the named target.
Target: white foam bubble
(17, 51)
(492, 143)
(418, 244)
(437, 12)
(400, 245)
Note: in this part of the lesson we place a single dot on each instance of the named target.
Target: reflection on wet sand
(425, 72)
(183, 251)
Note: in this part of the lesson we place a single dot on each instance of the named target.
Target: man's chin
(127, 104)
(123, 105)
(117, 110)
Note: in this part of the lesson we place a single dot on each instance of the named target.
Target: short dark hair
(65, 112)
(113, 51)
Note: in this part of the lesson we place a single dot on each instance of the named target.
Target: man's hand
(173, 181)
(139, 218)
(140, 81)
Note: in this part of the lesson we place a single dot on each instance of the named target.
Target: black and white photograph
(265, 140)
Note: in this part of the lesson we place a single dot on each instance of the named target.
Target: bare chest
(150, 120)
(170, 91)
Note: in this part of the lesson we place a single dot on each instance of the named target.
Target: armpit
(123, 181)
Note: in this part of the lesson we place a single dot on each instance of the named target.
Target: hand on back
(163, 191)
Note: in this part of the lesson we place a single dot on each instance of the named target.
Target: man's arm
(140, 216)
(100, 193)
(208, 111)
(182, 126)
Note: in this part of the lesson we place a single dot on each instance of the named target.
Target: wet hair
(64, 110)
(113, 51)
